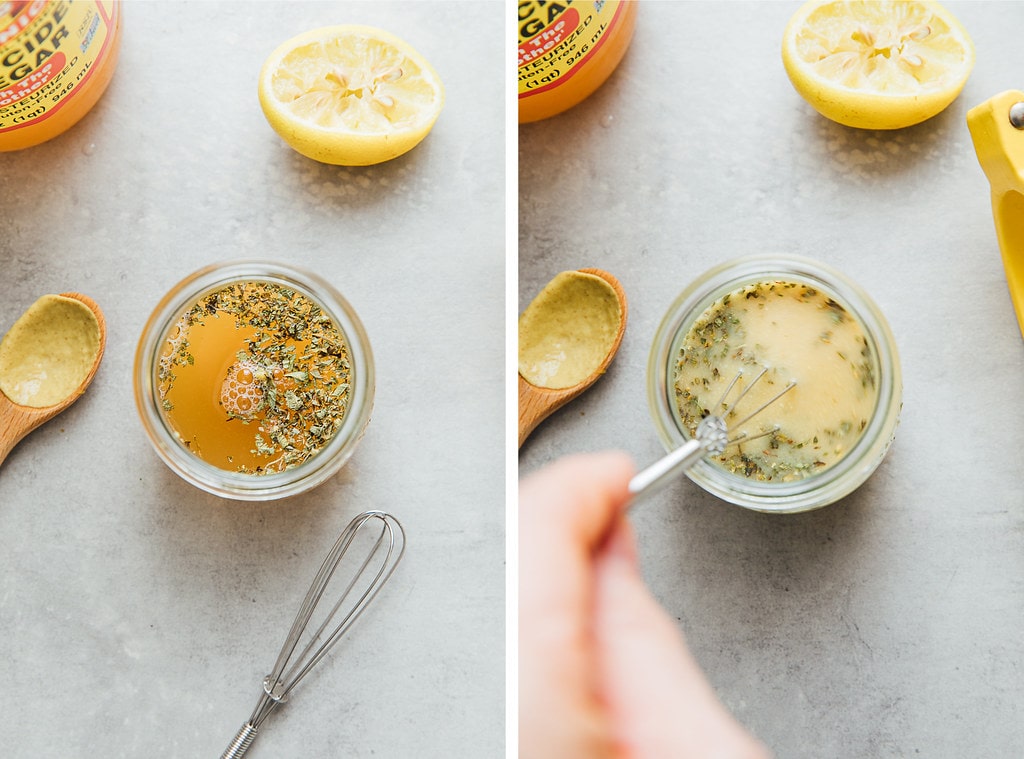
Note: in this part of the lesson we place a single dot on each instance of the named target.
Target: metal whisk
(712, 437)
(382, 537)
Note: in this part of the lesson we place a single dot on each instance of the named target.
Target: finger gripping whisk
(359, 564)
(716, 431)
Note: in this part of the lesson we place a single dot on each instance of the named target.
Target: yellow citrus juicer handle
(997, 128)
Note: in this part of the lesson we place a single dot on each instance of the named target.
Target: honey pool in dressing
(254, 378)
(798, 333)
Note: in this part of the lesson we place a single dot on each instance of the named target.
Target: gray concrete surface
(139, 615)
(888, 624)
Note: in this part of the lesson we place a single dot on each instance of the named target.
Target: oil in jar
(254, 378)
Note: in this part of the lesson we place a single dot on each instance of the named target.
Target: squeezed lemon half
(350, 95)
(877, 64)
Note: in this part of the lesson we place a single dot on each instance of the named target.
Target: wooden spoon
(17, 420)
(537, 402)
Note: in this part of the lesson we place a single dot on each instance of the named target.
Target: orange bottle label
(48, 50)
(557, 39)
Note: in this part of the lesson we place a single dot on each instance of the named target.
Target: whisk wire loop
(299, 670)
(726, 410)
(758, 410)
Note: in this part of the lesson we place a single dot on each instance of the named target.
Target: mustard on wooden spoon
(567, 337)
(47, 359)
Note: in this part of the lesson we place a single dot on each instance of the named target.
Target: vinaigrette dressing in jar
(254, 380)
(797, 320)
(793, 332)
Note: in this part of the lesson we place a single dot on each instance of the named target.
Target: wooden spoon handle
(17, 421)
(10, 427)
(537, 403)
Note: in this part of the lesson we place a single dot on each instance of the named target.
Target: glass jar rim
(236, 485)
(822, 488)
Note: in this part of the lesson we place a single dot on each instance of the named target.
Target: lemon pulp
(350, 95)
(877, 64)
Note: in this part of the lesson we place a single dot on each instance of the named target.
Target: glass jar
(833, 482)
(163, 324)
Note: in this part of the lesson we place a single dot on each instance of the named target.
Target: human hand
(603, 670)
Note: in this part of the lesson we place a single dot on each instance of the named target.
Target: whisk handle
(665, 469)
(239, 747)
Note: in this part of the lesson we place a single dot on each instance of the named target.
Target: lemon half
(877, 64)
(350, 95)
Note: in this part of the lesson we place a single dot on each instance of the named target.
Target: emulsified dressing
(799, 334)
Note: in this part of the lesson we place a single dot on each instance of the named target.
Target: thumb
(660, 701)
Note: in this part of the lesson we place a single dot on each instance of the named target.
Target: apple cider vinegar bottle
(567, 49)
(56, 59)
